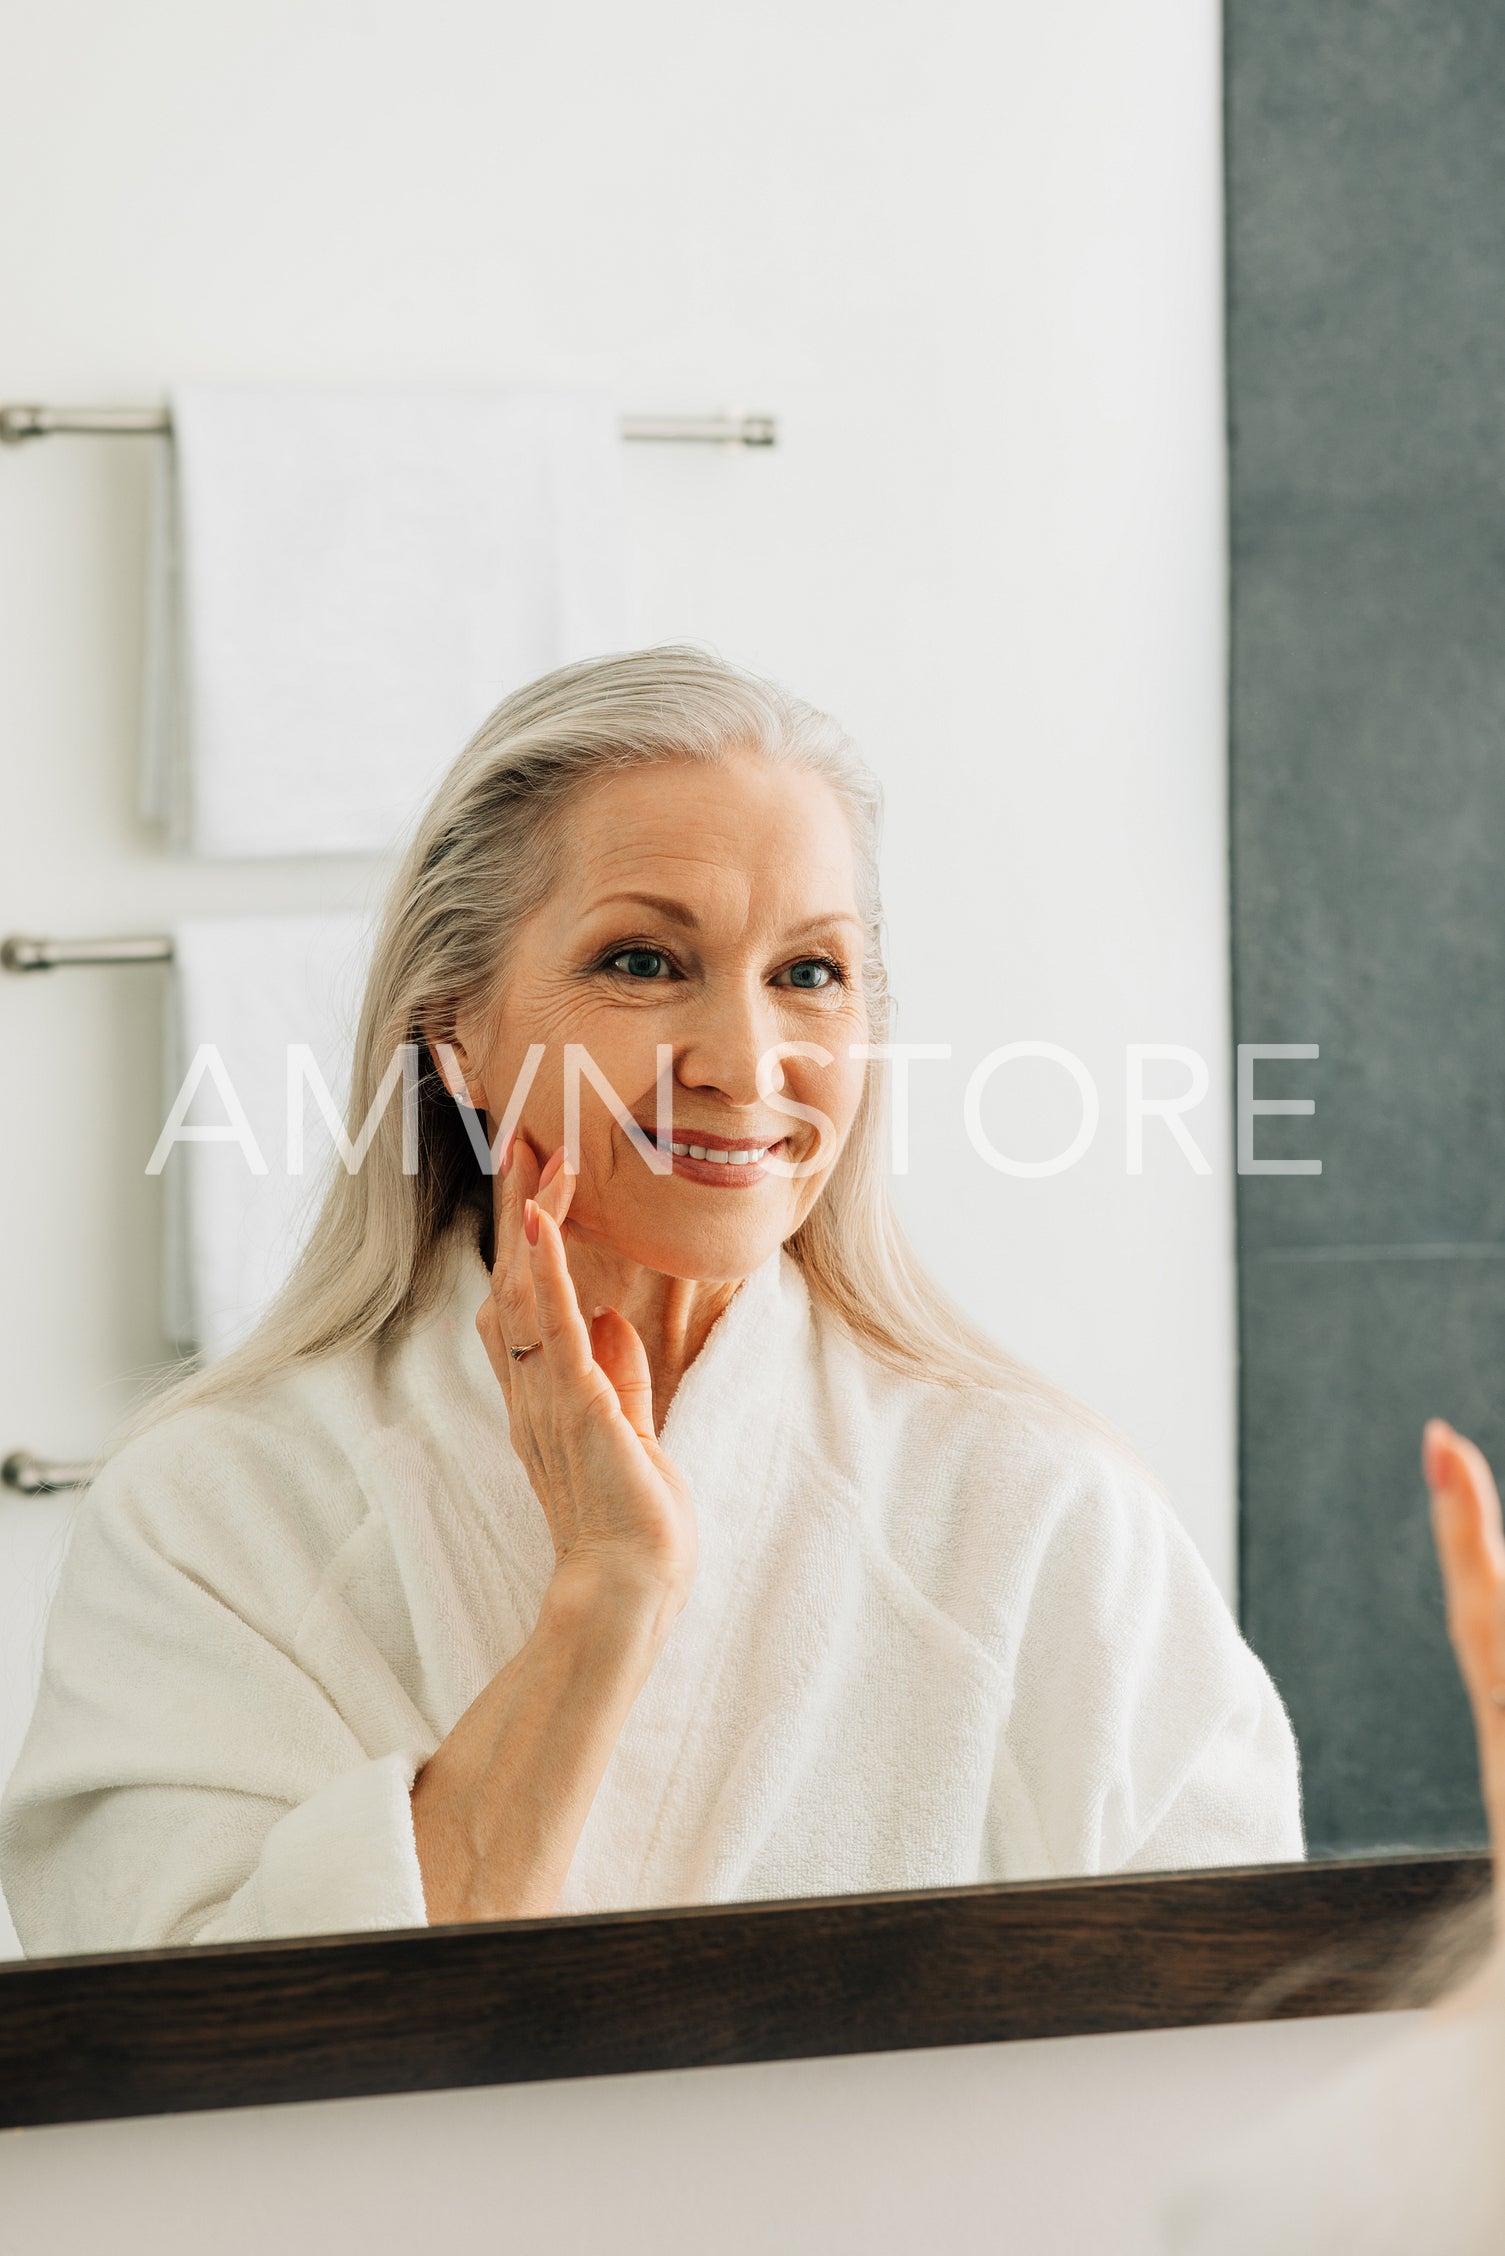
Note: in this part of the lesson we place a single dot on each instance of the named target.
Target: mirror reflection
(610, 1510)
(716, 1201)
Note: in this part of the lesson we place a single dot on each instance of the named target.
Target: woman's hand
(580, 1405)
(499, 1807)
(1471, 1550)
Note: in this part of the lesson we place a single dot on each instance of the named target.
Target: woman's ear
(453, 1061)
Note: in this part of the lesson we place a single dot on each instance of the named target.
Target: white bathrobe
(933, 1638)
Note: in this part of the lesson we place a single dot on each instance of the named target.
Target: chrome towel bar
(42, 1476)
(22, 1470)
(18, 953)
(18, 423)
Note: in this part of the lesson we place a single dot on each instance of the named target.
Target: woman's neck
(672, 1316)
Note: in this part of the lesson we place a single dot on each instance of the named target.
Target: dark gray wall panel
(1344, 1360)
(1368, 828)
(1366, 275)
(1367, 170)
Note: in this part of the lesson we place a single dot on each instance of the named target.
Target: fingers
(1471, 1552)
(529, 1193)
(623, 1357)
(499, 1188)
(489, 1325)
(566, 1347)
(513, 1184)
(520, 1178)
(504, 1186)
(511, 1276)
(556, 1187)
(1459, 1468)
(1466, 1527)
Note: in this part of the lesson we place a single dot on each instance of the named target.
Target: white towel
(343, 583)
(246, 988)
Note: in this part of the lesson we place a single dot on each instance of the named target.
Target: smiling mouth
(702, 1158)
(724, 1155)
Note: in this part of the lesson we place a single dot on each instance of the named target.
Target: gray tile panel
(1366, 287)
(1367, 176)
(1343, 1361)
(1368, 835)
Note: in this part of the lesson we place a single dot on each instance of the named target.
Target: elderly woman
(630, 1522)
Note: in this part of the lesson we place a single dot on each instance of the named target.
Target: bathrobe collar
(728, 1431)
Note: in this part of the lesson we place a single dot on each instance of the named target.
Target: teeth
(747, 1158)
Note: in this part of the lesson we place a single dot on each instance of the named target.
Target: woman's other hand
(1466, 1527)
(580, 1405)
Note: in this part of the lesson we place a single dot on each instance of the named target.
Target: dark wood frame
(238, 2025)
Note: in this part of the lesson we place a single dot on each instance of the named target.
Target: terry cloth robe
(933, 1638)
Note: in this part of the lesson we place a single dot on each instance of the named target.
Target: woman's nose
(732, 1025)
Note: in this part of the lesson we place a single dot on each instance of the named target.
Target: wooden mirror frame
(343, 2017)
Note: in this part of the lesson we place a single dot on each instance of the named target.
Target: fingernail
(507, 1152)
(551, 1169)
(598, 1310)
(530, 1222)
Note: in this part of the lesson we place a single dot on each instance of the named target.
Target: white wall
(969, 254)
(1051, 2149)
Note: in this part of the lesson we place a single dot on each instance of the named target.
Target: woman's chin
(710, 1250)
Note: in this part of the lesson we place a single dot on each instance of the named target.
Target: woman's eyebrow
(824, 921)
(680, 914)
(675, 910)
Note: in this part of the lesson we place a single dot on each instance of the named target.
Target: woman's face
(713, 910)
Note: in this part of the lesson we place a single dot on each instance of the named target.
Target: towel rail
(22, 1470)
(42, 1476)
(18, 423)
(20, 953)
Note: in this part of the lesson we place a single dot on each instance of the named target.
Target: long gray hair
(485, 855)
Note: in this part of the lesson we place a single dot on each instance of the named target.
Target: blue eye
(813, 972)
(640, 963)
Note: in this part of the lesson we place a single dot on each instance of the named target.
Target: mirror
(996, 1458)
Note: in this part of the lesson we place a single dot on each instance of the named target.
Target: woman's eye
(813, 972)
(640, 963)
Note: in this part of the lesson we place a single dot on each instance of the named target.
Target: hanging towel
(242, 990)
(343, 584)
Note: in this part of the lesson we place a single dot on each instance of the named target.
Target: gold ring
(517, 1354)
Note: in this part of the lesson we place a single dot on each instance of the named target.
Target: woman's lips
(720, 1162)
